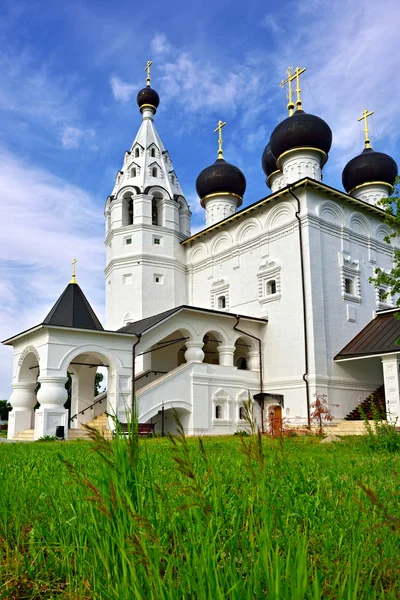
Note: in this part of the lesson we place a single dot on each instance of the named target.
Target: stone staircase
(378, 398)
(25, 436)
(346, 428)
(99, 423)
(353, 423)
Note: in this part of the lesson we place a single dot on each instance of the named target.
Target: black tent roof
(72, 309)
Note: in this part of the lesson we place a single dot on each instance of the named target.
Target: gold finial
(73, 280)
(147, 68)
(289, 94)
(364, 117)
(291, 77)
(219, 129)
(297, 74)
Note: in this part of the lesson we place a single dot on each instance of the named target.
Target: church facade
(267, 302)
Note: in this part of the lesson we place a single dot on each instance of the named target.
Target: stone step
(25, 435)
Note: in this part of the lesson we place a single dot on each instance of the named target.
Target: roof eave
(306, 181)
(185, 307)
(8, 341)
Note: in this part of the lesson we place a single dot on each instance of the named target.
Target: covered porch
(376, 344)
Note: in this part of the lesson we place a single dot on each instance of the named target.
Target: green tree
(5, 408)
(97, 383)
(391, 279)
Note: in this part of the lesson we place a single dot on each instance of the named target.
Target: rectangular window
(127, 279)
(157, 241)
(159, 279)
(128, 241)
(349, 286)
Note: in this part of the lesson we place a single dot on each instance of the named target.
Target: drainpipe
(133, 403)
(305, 374)
(235, 327)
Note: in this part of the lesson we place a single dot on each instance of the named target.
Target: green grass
(224, 519)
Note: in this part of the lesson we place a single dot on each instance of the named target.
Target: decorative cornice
(370, 183)
(219, 194)
(323, 154)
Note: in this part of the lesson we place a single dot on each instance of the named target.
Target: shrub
(382, 435)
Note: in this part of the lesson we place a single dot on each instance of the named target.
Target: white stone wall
(340, 240)
(145, 270)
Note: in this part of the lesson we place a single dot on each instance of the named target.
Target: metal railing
(82, 412)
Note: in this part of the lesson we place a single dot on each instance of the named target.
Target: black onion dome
(148, 96)
(301, 130)
(368, 167)
(268, 160)
(220, 177)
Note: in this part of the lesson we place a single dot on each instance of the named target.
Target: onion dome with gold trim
(220, 178)
(369, 167)
(268, 161)
(301, 130)
(148, 98)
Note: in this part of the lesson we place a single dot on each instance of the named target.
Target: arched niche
(331, 213)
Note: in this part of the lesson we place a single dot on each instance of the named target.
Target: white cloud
(36, 102)
(122, 90)
(72, 137)
(271, 23)
(160, 45)
(201, 86)
(350, 67)
(46, 222)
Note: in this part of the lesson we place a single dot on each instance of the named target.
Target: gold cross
(219, 129)
(289, 94)
(147, 68)
(291, 77)
(364, 117)
(73, 280)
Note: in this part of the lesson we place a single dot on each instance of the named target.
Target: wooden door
(276, 418)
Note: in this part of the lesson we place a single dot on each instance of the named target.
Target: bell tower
(147, 217)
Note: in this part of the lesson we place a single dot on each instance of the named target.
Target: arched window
(348, 286)
(271, 287)
(242, 364)
(133, 172)
(154, 212)
(382, 294)
(154, 171)
(218, 411)
(137, 152)
(222, 302)
(172, 179)
(241, 413)
(130, 212)
(153, 152)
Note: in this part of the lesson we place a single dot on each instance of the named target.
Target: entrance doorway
(275, 420)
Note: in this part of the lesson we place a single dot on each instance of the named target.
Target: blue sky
(69, 75)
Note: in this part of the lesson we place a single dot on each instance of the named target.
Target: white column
(372, 192)
(254, 360)
(22, 400)
(82, 395)
(52, 396)
(194, 352)
(226, 354)
(392, 386)
(299, 163)
(219, 207)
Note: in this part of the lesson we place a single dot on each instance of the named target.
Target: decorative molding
(268, 272)
(28, 350)
(219, 288)
(350, 269)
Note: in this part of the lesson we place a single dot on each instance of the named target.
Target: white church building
(272, 301)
